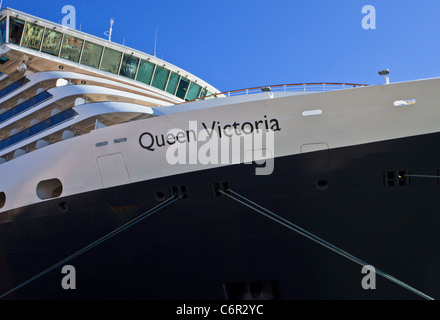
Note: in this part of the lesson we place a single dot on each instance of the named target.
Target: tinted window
(71, 48)
(32, 36)
(210, 95)
(193, 91)
(15, 30)
(145, 72)
(52, 42)
(183, 86)
(3, 31)
(160, 78)
(91, 54)
(172, 82)
(111, 60)
(129, 66)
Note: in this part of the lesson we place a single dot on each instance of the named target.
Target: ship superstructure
(48, 69)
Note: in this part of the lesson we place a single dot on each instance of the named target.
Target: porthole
(2, 199)
(159, 195)
(48, 189)
(63, 207)
(322, 184)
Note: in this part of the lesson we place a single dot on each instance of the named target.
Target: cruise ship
(123, 176)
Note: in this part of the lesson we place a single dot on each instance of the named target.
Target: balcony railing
(294, 87)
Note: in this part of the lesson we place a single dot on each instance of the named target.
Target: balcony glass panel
(13, 86)
(41, 126)
(32, 102)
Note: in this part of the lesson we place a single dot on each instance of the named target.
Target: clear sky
(236, 44)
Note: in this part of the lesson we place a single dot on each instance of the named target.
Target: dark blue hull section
(364, 199)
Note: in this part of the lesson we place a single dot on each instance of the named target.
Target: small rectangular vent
(180, 190)
(217, 186)
(101, 144)
(396, 178)
(120, 140)
(315, 112)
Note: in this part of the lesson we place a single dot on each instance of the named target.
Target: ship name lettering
(150, 141)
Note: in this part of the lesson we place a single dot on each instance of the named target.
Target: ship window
(111, 60)
(51, 188)
(25, 105)
(160, 78)
(129, 66)
(406, 102)
(193, 91)
(91, 54)
(172, 83)
(71, 48)
(210, 95)
(203, 93)
(2, 31)
(183, 86)
(32, 36)
(15, 30)
(12, 87)
(145, 72)
(2, 199)
(52, 42)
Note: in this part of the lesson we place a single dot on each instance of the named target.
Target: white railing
(296, 87)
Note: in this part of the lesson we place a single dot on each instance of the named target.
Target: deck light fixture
(385, 74)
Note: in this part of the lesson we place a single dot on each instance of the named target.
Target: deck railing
(294, 87)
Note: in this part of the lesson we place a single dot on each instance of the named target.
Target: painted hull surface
(208, 246)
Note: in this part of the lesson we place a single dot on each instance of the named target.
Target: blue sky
(236, 44)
